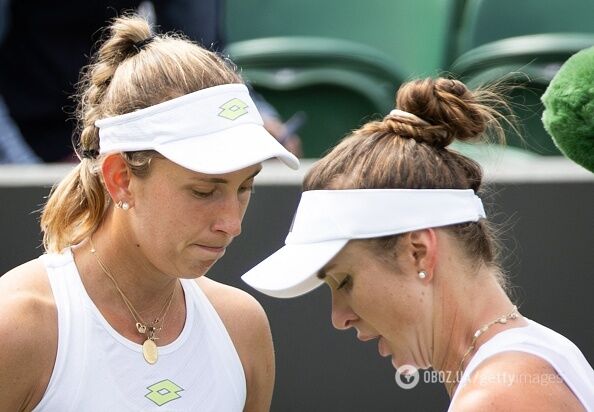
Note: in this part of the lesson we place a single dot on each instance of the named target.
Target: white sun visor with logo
(327, 219)
(214, 130)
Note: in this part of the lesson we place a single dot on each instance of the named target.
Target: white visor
(213, 131)
(327, 219)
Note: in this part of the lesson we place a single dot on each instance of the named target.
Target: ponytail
(74, 208)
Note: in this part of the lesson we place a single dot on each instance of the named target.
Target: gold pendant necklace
(150, 350)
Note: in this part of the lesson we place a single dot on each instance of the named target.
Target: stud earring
(123, 205)
(422, 274)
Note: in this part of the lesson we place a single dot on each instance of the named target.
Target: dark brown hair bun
(451, 110)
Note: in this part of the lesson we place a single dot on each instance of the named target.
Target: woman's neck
(472, 304)
(124, 258)
(117, 267)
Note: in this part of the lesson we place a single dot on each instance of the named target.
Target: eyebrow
(323, 273)
(221, 180)
(329, 280)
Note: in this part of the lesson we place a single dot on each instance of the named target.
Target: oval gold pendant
(150, 351)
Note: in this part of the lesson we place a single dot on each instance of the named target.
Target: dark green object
(569, 108)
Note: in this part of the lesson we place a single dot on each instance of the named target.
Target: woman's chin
(402, 367)
(195, 268)
(195, 271)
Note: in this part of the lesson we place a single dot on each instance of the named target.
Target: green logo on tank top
(233, 109)
(163, 392)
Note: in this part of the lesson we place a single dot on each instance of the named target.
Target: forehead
(354, 254)
(167, 168)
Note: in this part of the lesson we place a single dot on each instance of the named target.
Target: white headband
(327, 219)
(214, 130)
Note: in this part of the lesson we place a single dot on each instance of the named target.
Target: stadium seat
(415, 34)
(485, 21)
(527, 63)
(336, 84)
(524, 42)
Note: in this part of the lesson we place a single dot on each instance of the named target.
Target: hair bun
(448, 106)
(454, 87)
(409, 125)
(126, 37)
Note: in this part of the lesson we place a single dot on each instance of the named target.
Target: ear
(116, 175)
(423, 250)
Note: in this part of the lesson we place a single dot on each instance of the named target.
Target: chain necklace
(513, 315)
(150, 350)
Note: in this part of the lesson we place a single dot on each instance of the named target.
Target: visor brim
(292, 270)
(227, 151)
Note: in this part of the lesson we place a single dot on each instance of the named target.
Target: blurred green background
(339, 63)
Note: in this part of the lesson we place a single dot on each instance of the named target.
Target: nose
(342, 314)
(229, 216)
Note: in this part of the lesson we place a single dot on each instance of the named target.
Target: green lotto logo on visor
(233, 109)
(163, 392)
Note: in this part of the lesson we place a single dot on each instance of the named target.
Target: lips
(365, 338)
(212, 251)
(383, 347)
(215, 249)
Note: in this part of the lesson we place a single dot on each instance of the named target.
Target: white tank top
(556, 349)
(98, 370)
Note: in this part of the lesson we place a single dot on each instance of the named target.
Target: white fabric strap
(407, 115)
(196, 114)
(325, 215)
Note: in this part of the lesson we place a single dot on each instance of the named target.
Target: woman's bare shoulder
(516, 381)
(27, 285)
(28, 326)
(233, 305)
(245, 320)
(247, 324)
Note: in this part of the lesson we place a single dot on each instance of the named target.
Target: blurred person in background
(13, 149)
(43, 46)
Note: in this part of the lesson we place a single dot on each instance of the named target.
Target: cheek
(160, 214)
(165, 228)
(395, 306)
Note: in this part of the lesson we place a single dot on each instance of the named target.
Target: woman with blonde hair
(117, 314)
(392, 221)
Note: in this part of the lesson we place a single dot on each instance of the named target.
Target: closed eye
(203, 195)
(247, 189)
(346, 282)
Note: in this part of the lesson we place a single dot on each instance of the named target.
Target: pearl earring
(422, 274)
(123, 205)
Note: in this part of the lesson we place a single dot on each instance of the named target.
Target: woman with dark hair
(392, 221)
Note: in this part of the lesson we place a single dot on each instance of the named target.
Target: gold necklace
(513, 315)
(150, 350)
